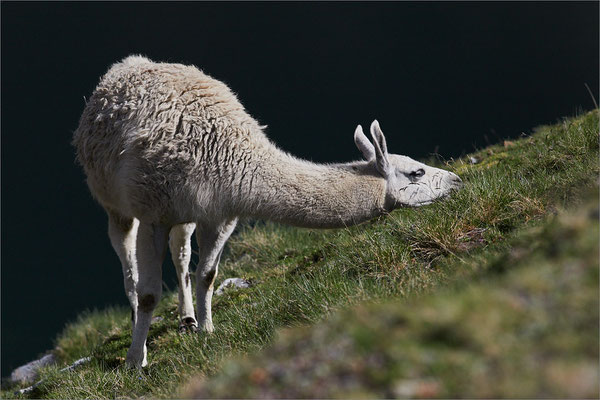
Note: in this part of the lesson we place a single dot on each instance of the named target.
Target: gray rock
(232, 282)
(29, 372)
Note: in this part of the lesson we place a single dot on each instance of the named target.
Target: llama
(167, 149)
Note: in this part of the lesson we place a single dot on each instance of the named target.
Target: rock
(29, 372)
(232, 282)
(77, 364)
(473, 160)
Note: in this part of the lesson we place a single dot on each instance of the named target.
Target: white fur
(167, 149)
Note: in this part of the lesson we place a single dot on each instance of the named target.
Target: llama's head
(409, 182)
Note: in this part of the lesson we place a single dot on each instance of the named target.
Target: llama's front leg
(181, 253)
(150, 250)
(122, 232)
(211, 241)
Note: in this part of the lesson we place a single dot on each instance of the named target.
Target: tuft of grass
(304, 277)
(89, 330)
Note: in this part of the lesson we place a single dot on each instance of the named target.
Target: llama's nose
(456, 181)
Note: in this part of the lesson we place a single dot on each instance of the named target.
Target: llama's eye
(418, 173)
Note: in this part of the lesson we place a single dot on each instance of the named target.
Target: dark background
(442, 76)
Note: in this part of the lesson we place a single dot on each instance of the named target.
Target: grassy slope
(301, 276)
(526, 326)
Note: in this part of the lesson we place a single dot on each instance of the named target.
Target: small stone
(29, 372)
(473, 160)
(156, 319)
(232, 282)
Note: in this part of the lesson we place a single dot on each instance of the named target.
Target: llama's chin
(425, 202)
(435, 199)
(414, 204)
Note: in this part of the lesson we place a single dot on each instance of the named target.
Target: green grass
(413, 263)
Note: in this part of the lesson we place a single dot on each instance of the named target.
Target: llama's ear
(381, 153)
(363, 144)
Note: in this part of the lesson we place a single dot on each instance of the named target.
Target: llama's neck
(300, 193)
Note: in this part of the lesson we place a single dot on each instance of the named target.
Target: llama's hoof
(133, 362)
(187, 329)
(188, 325)
(207, 328)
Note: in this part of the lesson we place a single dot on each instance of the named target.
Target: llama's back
(149, 129)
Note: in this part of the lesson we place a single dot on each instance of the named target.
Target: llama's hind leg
(122, 232)
(181, 253)
(151, 247)
(211, 240)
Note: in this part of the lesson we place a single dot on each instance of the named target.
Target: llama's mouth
(425, 202)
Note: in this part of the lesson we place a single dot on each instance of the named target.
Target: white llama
(167, 149)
